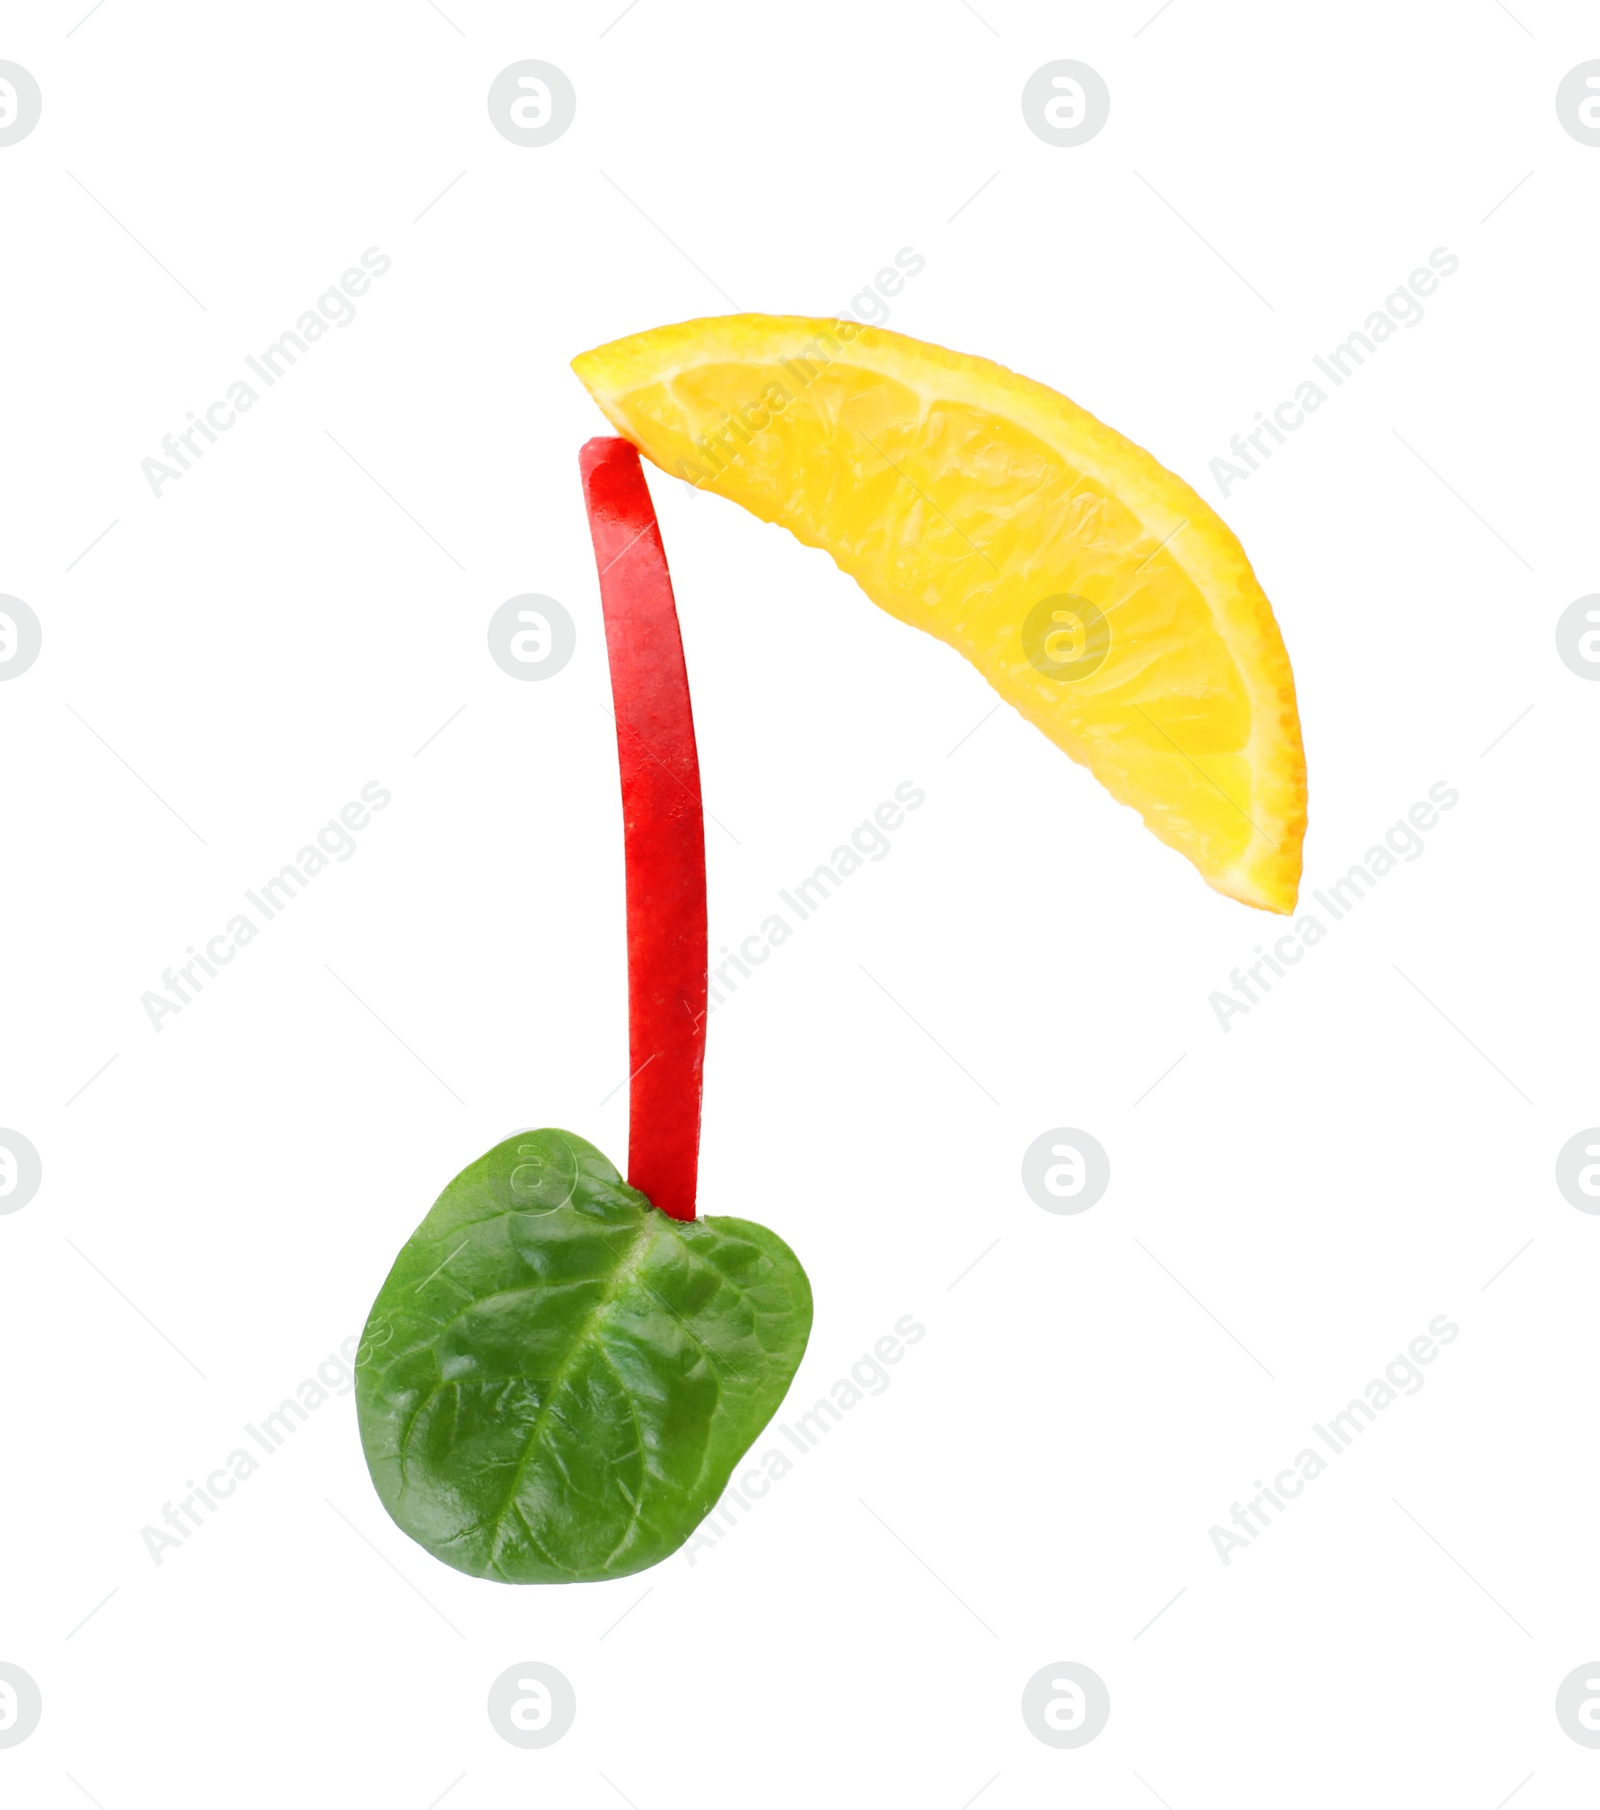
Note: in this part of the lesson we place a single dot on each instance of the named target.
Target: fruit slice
(1090, 586)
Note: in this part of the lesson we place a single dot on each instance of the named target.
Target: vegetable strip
(663, 829)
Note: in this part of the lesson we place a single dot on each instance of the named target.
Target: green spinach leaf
(556, 1379)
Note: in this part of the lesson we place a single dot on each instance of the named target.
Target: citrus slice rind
(1092, 588)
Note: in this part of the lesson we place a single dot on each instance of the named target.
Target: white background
(1325, 1177)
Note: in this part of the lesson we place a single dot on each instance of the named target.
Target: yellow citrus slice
(1090, 586)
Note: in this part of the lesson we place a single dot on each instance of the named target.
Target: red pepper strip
(663, 829)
